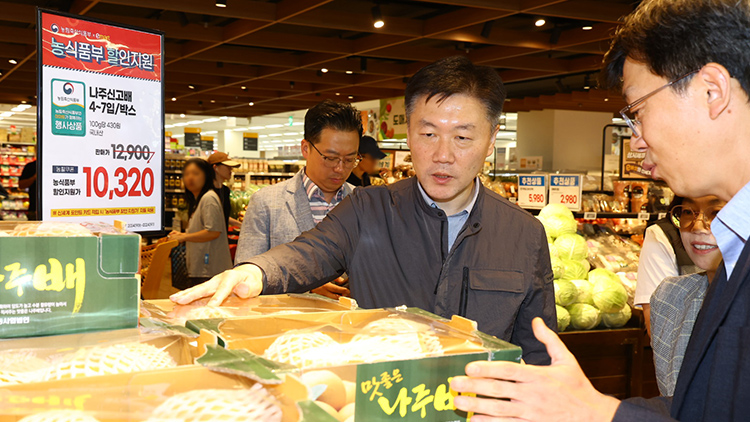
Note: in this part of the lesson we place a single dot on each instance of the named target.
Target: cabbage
(584, 317)
(599, 274)
(553, 250)
(556, 210)
(609, 295)
(574, 270)
(613, 320)
(563, 318)
(572, 246)
(558, 268)
(565, 292)
(556, 226)
(586, 264)
(584, 289)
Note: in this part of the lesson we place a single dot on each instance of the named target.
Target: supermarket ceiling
(290, 54)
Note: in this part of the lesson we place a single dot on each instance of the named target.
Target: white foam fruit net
(252, 404)
(207, 312)
(382, 340)
(60, 416)
(19, 367)
(116, 359)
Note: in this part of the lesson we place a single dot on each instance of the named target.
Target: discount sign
(565, 189)
(101, 122)
(532, 191)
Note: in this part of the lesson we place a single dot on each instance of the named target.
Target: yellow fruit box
(60, 278)
(364, 365)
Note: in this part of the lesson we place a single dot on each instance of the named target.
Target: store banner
(249, 141)
(532, 191)
(566, 189)
(207, 143)
(631, 163)
(100, 122)
(192, 137)
(392, 119)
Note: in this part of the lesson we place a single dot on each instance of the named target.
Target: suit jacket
(714, 381)
(276, 215)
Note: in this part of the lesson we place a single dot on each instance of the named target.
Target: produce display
(240, 199)
(586, 298)
(252, 404)
(60, 416)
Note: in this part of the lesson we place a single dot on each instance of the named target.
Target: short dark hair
(457, 75)
(328, 114)
(675, 37)
(208, 171)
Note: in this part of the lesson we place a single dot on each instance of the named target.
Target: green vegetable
(553, 250)
(616, 319)
(558, 268)
(574, 270)
(599, 274)
(586, 264)
(557, 226)
(572, 246)
(556, 210)
(563, 318)
(584, 317)
(565, 292)
(584, 291)
(609, 295)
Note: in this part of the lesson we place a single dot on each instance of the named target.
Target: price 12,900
(126, 182)
(132, 152)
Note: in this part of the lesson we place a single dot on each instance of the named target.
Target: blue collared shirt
(318, 204)
(456, 221)
(731, 228)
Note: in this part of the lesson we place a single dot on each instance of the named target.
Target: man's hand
(559, 392)
(178, 236)
(245, 281)
(333, 290)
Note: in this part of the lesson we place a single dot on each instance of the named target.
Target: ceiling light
(377, 17)
(182, 115)
(298, 123)
(195, 122)
(6, 114)
(349, 72)
(606, 99)
(251, 103)
(273, 126)
(275, 134)
(243, 87)
(211, 120)
(174, 98)
(191, 86)
(213, 101)
(256, 128)
(502, 127)
(540, 22)
(22, 102)
(180, 124)
(338, 93)
(223, 118)
(221, 3)
(262, 136)
(587, 28)
(351, 97)
(586, 82)
(324, 70)
(168, 126)
(12, 61)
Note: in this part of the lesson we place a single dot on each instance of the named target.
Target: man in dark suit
(684, 69)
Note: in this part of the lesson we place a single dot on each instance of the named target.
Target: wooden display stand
(618, 362)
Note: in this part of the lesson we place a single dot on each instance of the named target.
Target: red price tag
(131, 182)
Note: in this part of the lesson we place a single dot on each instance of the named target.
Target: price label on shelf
(566, 189)
(589, 216)
(101, 108)
(662, 215)
(532, 191)
(644, 216)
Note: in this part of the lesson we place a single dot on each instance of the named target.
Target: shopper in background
(439, 241)
(371, 156)
(662, 256)
(278, 214)
(223, 166)
(206, 243)
(28, 181)
(677, 300)
(684, 69)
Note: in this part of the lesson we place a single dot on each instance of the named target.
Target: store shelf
(174, 190)
(18, 143)
(652, 216)
(275, 174)
(171, 209)
(22, 154)
(173, 171)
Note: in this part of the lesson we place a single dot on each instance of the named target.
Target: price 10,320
(129, 182)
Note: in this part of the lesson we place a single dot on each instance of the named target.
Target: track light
(377, 17)
(221, 3)
(191, 86)
(587, 82)
(540, 22)
(349, 72)
(243, 88)
(251, 103)
(486, 29)
(324, 70)
(351, 97)
(174, 98)
(291, 84)
(363, 64)
(587, 28)
(13, 61)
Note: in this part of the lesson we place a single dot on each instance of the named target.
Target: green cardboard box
(399, 389)
(59, 278)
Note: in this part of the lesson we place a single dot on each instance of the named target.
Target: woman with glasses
(677, 300)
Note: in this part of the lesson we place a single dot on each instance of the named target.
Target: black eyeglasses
(684, 217)
(631, 119)
(332, 162)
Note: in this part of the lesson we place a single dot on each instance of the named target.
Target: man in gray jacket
(278, 214)
(440, 241)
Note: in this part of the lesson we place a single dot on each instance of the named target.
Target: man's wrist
(605, 408)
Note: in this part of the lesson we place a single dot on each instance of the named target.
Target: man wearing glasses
(280, 213)
(439, 241)
(684, 68)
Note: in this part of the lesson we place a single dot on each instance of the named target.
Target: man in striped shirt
(278, 214)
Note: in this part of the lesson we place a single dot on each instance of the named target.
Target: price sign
(644, 216)
(589, 216)
(566, 189)
(532, 191)
(662, 215)
(101, 114)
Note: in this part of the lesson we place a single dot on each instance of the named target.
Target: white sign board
(101, 122)
(566, 189)
(532, 191)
